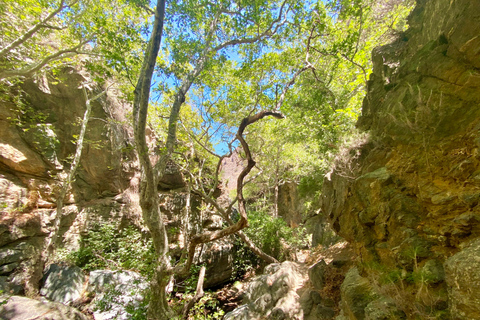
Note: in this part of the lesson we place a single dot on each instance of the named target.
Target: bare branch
(149, 10)
(198, 293)
(357, 65)
(180, 96)
(275, 25)
(67, 178)
(243, 221)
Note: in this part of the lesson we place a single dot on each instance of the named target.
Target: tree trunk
(158, 306)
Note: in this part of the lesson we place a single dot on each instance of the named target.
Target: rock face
(463, 279)
(407, 197)
(289, 204)
(21, 240)
(35, 144)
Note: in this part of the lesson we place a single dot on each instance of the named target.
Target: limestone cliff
(407, 197)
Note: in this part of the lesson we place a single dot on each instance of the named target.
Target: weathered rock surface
(21, 308)
(117, 293)
(63, 284)
(289, 204)
(273, 294)
(356, 293)
(463, 279)
(35, 144)
(218, 256)
(21, 240)
(407, 197)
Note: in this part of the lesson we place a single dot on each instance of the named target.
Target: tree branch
(243, 221)
(268, 32)
(33, 30)
(198, 293)
(68, 177)
(34, 68)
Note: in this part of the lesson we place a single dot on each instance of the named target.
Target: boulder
(273, 294)
(21, 308)
(356, 293)
(462, 273)
(63, 284)
(383, 309)
(316, 274)
(118, 294)
(218, 257)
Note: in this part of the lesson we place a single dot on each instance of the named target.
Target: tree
(324, 106)
(41, 35)
(66, 179)
(214, 27)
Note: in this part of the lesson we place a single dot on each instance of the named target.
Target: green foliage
(322, 108)
(190, 283)
(46, 35)
(104, 247)
(245, 261)
(207, 308)
(135, 310)
(33, 125)
(3, 299)
(415, 291)
(273, 236)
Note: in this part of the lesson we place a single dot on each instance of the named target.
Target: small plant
(137, 310)
(206, 309)
(245, 261)
(415, 292)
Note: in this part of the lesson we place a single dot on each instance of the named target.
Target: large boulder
(273, 294)
(63, 284)
(21, 308)
(218, 256)
(118, 294)
(357, 293)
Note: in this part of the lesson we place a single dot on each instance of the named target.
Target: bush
(104, 247)
(274, 236)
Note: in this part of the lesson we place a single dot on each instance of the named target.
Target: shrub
(274, 236)
(106, 248)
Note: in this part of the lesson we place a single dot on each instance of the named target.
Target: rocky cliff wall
(40, 119)
(407, 197)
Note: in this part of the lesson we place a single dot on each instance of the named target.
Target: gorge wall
(407, 196)
(40, 119)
